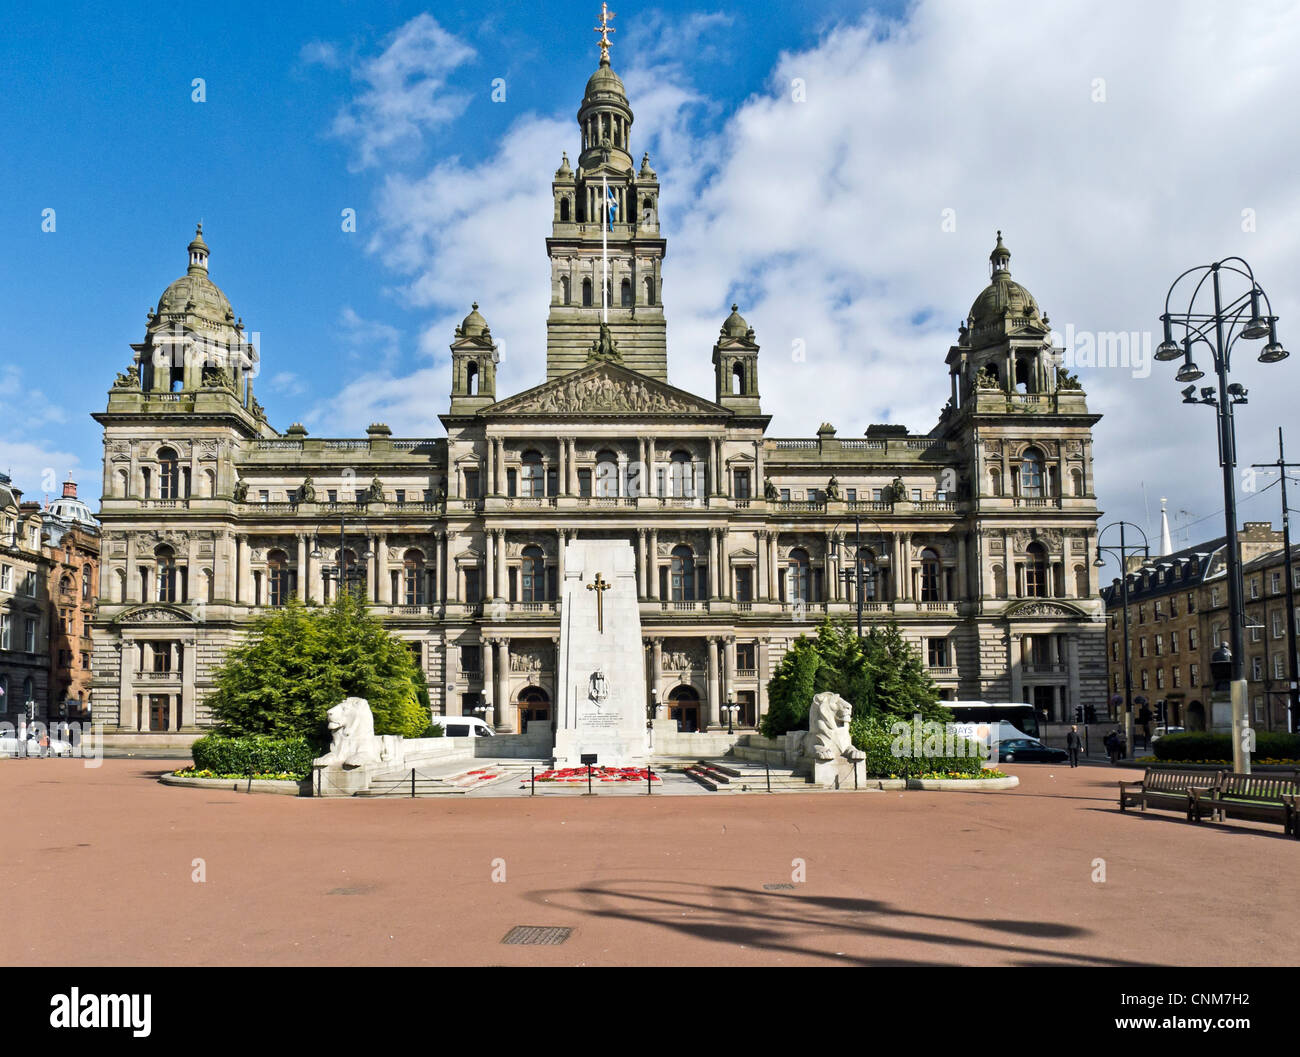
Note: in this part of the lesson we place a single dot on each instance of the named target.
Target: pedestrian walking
(1073, 743)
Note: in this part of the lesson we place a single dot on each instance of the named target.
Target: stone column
(729, 670)
(773, 584)
(756, 489)
(489, 468)
(501, 466)
(502, 586)
(500, 697)
(562, 541)
(760, 548)
(641, 563)
(652, 567)
(489, 564)
(715, 705)
(245, 572)
(962, 587)
(621, 484)
(1014, 665)
(185, 703)
(761, 661)
(126, 685)
(656, 668)
(562, 465)
(439, 569)
(832, 585)
(384, 574)
(713, 563)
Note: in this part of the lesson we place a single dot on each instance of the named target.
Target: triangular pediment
(605, 389)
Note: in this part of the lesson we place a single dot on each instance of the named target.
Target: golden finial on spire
(605, 29)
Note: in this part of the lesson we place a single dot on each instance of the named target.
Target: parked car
(1161, 731)
(463, 727)
(10, 745)
(1029, 750)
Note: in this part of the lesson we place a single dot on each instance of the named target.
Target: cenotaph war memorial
(601, 663)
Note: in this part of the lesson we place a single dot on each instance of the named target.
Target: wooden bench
(1263, 797)
(1164, 787)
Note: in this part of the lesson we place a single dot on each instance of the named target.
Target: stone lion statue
(828, 728)
(352, 735)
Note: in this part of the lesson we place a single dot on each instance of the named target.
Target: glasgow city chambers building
(975, 536)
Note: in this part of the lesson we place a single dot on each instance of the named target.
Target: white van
(463, 727)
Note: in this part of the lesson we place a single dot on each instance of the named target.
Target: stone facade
(24, 609)
(974, 536)
(71, 544)
(1178, 616)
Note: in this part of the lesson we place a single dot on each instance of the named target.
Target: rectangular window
(937, 652)
(1145, 680)
(814, 496)
(1173, 642)
(1255, 635)
(1254, 587)
(473, 585)
(584, 484)
(1275, 581)
(1178, 678)
(471, 485)
(553, 480)
(1279, 618)
(6, 577)
(400, 495)
(1142, 647)
(785, 495)
(877, 495)
(512, 483)
(851, 495)
(1279, 669)
(264, 496)
(741, 484)
(916, 495)
(1257, 668)
(1295, 576)
(417, 653)
(1191, 602)
(1160, 678)
(471, 660)
(5, 631)
(1194, 675)
(333, 496)
(85, 661)
(746, 656)
(744, 587)
(1160, 645)
(1159, 610)
(1114, 651)
(1191, 638)
(29, 635)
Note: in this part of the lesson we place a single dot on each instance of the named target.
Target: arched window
(682, 575)
(121, 489)
(65, 584)
(278, 580)
(413, 578)
(471, 378)
(606, 474)
(1031, 473)
(737, 378)
(119, 579)
(166, 559)
(209, 484)
(532, 576)
(649, 290)
(564, 289)
(586, 293)
(931, 576)
(995, 482)
(1080, 581)
(534, 475)
(1076, 482)
(169, 474)
(1036, 579)
(797, 577)
(625, 293)
(999, 582)
(564, 211)
(681, 478)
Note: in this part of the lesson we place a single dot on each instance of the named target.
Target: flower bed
(578, 775)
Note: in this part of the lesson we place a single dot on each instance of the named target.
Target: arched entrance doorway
(534, 707)
(684, 706)
(1195, 716)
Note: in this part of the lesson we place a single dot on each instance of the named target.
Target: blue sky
(824, 220)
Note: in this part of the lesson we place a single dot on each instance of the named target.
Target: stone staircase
(409, 782)
(745, 776)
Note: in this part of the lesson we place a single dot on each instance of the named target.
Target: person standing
(1073, 743)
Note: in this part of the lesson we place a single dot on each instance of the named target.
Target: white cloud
(824, 217)
(405, 92)
(320, 53)
(30, 407)
(39, 470)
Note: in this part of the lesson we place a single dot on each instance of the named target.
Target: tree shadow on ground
(807, 925)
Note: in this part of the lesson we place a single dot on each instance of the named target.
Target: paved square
(99, 863)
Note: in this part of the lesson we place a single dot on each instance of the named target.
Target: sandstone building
(975, 536)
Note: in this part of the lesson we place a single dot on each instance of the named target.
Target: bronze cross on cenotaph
(600, 587)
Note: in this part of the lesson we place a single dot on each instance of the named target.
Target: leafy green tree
(881, 675)
(299, 661)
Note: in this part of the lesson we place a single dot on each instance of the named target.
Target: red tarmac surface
(97, 869)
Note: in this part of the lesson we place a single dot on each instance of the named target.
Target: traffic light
(1160, 712)
(1078, 713)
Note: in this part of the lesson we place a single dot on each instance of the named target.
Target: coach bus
(1018, 713)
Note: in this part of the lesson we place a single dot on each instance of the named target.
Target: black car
(1029, 750)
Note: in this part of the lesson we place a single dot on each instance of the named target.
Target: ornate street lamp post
(345, 577)
(858, 576)
(1218, 325)
(1123, 551)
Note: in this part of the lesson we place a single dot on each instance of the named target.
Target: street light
(1226, 323)
(1123, 551)
(731, 709)
(858, 575)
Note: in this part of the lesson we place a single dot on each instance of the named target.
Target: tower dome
(473, 325)
(735, 325)
(194, 299)
(1002, 297)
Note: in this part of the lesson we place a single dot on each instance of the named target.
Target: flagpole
(604, 248)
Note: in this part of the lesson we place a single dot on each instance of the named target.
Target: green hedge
(253, 755)
(1202, 745)
(878, 743)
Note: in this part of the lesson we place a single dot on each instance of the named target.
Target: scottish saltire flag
(613, 205)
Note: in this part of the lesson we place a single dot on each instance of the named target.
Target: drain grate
(537, 935)
(780, 886)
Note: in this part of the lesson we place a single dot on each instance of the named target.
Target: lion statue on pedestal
(828, 729)
(352, 735)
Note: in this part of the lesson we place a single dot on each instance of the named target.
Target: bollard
(767, 772)
(412, 783)
(649, 780)
(532, 781)
(589, 779)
